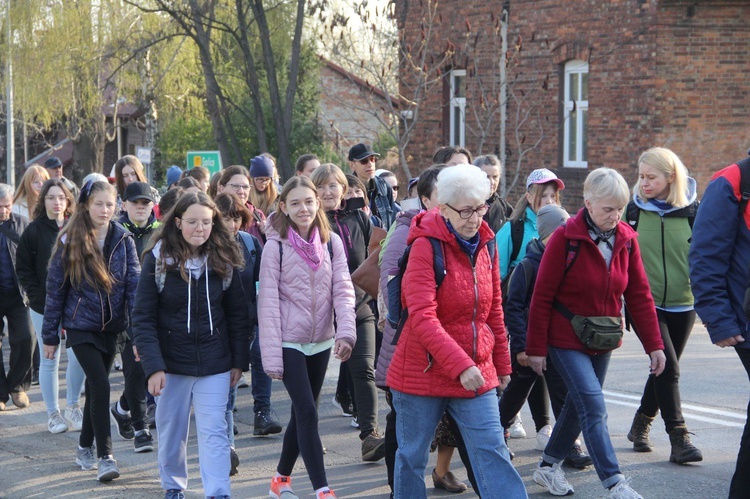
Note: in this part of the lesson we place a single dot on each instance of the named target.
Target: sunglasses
(369, 159)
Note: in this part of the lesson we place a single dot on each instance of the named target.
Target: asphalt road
(35, 463)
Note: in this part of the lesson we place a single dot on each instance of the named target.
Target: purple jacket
(296, 304)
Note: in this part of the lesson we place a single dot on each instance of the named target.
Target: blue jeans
(260, 383)
(479, 422)
(584, 409)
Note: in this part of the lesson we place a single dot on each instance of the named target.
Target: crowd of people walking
(459, 305)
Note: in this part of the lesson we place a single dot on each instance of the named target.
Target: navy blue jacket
(516, 304)
(381, 201)
(160, 323)
(87, 308)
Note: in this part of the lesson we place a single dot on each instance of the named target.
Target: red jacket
(589, 289)
(455, 327)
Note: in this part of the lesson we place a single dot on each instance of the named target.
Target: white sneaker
(623, 490)
(74, 418)
(516, 428)
(56, 424)
(542, 437)
(553, 478)
(242, 383)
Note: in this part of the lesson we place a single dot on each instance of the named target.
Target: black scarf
(598, 233)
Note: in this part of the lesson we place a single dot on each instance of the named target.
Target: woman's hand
(49, 351)
(135, 353)
(522, 359)
(504, 380)
(538, 364)
(234, 376)
(472, 379)
(658, 361)
(277, 377)
(342, 350)
(730, 342)
(156, 383)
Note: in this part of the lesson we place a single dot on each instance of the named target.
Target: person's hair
(230, 171)
(606, 183)
(25, 191)
(6, 191)
(667, 162)
(187, 183)
(39, 208)
(83, 260)
(220, 248)
(299, 165)
(281, 223)
(94, 177)
(458, 182)
(213, 186)
(230, 206)
(135, 164)
(169, 199)
(444, 154)
(264, 200)
(488, 160)
(387, 174)
(427, 182)
(321, 174)
(536, 191)
(199, 173)
(355, 183)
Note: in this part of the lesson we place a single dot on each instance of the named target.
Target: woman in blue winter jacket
(91, 282)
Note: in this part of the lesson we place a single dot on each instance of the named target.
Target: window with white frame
(458, 107)
(575, 114)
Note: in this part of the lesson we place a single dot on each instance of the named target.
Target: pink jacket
(296, 304)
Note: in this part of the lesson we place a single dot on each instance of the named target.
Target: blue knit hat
(174, 173)
(261, 166)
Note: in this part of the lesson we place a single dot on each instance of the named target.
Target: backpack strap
(632, 214)
(249, 243)
(571, 253)
(744, 184)
(516, 237)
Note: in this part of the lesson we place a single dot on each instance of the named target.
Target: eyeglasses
(262, 180)
(394, 188)
(468, 212)
(367, 160)
(240, 187)
(193, 223)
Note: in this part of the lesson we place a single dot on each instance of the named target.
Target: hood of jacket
(535, 250)
(691, 191)
(432, 224)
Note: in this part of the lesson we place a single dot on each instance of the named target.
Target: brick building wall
(667, 73)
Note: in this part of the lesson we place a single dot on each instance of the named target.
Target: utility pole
(10, 152)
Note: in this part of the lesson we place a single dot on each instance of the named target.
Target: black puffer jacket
(498, 213)
(32, 259)
(210, 343)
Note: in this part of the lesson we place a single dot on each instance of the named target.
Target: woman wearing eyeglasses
(453, 350)
(236, 180)
(263, 191)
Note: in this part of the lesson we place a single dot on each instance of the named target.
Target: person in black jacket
(14, 384)
(54, 206)
(91, 285)
(350, 222)
(500, 209)
(190, 328)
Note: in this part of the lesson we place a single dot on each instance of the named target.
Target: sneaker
(86, 458)
(107, 469)
(34, 377)
(577, 458)
(265, 423)
(516, 428)
(2, 406)
(281, 488)
(74, 417)
(118, 363)
(623, 490)
(542, 437)
(235, 460)
(326, 494)
(242, 383)
(174, 494)
(344, 404)
(553, 478)
(354, 423)
(124, 423)
(56, 424)
(143, 442)
(20, 399)
(373, 447)
(151, 416)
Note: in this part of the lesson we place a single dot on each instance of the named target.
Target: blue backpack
(396, 314)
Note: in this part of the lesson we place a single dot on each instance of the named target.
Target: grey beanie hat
(549, 218)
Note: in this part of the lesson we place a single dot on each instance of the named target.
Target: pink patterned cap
(542, 176)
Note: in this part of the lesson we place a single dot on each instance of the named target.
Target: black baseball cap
(138, 190)
(360, 151)
(53, 162)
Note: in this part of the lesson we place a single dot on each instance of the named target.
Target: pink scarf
(309, 251)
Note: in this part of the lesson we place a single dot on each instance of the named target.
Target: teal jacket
(505, 244)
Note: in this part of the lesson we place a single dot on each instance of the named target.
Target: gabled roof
(360, 82)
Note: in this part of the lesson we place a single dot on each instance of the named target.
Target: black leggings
(522, 383)
(303, 379)
(96, 365)
(663, 392)
(133, 397)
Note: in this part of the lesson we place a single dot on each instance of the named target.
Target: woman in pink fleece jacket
(304, 278)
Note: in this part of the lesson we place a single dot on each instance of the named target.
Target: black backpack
(516, 238)
(633, 213)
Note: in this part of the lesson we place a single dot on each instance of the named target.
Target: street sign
(206, 159)
(144, 154)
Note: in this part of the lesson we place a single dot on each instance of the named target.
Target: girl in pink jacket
(304, 278)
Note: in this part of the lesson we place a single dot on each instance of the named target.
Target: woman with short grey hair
(589, 264)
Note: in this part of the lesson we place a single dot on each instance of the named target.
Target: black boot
(639, 433)
(683, 450)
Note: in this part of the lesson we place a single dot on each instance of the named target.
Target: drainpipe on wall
(503, 96)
